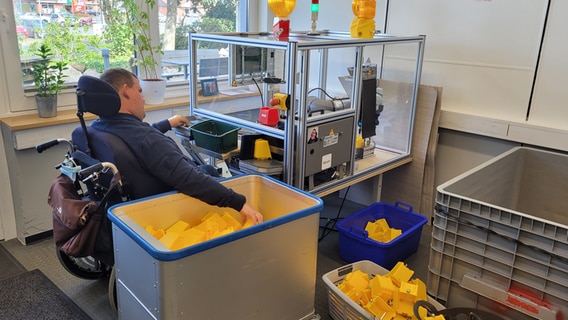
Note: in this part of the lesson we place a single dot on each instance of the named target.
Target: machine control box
(329, 144)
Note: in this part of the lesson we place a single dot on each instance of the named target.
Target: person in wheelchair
(161, 163)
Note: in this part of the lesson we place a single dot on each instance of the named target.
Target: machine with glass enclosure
(331, 109)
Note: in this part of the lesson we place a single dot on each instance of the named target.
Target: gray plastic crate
(500, 235)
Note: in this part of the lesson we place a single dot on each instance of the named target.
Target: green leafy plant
(48, 75)
(146, 52)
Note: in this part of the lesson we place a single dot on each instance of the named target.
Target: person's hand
(178, 121)
(249, 212)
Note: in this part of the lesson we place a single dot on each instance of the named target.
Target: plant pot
(153, 90)
(46, 106)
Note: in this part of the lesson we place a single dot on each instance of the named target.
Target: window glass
(94, 35)
(193, 16)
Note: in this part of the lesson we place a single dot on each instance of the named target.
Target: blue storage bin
(355, 245)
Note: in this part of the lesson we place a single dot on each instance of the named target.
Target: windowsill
(31, 121)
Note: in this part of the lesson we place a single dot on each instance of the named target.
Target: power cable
(331, 222)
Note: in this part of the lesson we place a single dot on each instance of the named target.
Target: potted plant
(147, 51)
(48, 79)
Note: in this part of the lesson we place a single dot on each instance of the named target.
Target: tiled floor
(92, 296)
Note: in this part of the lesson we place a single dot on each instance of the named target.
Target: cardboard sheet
(413, 183)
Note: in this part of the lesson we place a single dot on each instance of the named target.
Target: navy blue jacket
(166, 166)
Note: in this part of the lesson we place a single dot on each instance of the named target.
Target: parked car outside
(34, 27)
(32, 15)
(62, 17)
(21, 31)
(85, 21)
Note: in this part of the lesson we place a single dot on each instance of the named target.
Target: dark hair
(118, 76)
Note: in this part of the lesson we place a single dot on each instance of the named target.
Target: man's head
(129, 90)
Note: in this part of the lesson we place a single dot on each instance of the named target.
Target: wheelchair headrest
(97, 96)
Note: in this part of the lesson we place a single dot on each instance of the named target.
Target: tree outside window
(81, 44)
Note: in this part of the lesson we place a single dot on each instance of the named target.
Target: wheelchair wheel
(85, 267)
(112, 293)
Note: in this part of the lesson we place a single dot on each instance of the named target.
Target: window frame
(18, 99)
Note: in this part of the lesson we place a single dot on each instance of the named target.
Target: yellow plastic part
(406, 298)
(208, 215)
(209, 227)
(379, 226)
(353, 295)
(380, 237)
(362, 28)
(155, 233)
(421, 294)
(345, 287)
(178, 227)
(159, 234)
(380, 231)
(393, 233)
(383, 287)
(262, 149)
(405, 308)
(380, 309)
(400, 273)
(172, 240)
(424, 314)
(223, 232)
(358, 279)
(218, 220)
(192, 236)
(365, 297)
(231, 221)
(248, 223)
(359, 142)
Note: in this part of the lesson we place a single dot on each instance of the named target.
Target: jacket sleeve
(163, 126)
(168, 162)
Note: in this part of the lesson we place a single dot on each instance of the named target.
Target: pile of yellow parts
(388, 297)
(212, 225)
(381, 232)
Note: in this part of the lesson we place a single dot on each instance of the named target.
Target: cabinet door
(482, 52)
(331, 145)
(548, 105)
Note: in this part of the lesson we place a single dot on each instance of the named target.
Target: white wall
(548, 106)
(7, 222)
(7, 218)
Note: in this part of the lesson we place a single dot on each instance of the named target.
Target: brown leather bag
(76, 222)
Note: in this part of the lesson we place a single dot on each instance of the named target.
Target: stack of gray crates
(500, 237)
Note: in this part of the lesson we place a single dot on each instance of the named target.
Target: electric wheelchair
(98, 171)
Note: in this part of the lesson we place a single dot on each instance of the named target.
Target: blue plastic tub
(355, 245)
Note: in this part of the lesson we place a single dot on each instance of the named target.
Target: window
(206, 16)
(79, 32)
